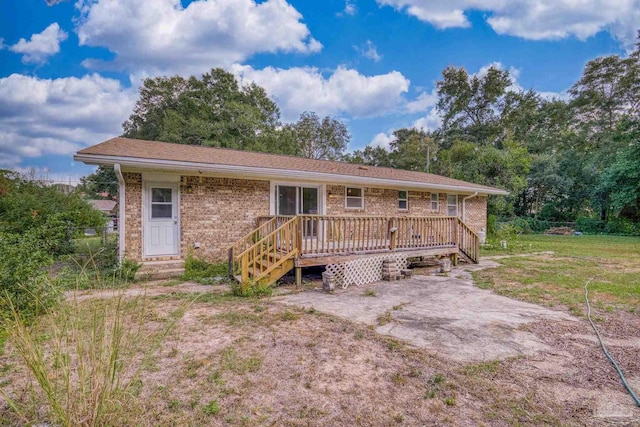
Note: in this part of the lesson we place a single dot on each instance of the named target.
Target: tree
(372, 156)
(102, 184)
(470, 105)
(319, 139)
(620, 181)
(214, 110)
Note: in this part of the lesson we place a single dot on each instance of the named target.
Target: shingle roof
(103, 205)
(163, 151)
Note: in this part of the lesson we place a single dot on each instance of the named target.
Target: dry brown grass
(242, 362)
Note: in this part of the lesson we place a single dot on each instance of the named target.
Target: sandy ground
(451, 317)
(433, 351)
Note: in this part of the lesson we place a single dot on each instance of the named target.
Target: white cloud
(163, 37)
(423, 102)
(41, 46)
(534, 19)
(370, 52)
(429, 122)
(345, 91)
(41, 117)
(350, 7)
(383, 140)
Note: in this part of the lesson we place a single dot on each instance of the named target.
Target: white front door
(161, 222)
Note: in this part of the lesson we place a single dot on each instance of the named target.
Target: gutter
(121, 210)
(464, 210)
(270, 173)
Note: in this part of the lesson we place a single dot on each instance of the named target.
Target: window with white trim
(452, 205)
(354, 198)
(403, 200)
(434, 202)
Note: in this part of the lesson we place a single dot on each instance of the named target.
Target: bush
(24, 279)
(198, 269)
(622, 226)
(27, 205)
(251, 289)
(590, 225)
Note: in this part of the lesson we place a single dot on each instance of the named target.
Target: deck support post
(454, 259)
(298, 276)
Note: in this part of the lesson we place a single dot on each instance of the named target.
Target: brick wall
(217, 212)
(384, 202)
(133, 215)
(476, 213)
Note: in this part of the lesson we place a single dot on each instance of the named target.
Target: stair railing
(269, 252)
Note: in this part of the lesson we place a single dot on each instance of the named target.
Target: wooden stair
(268, 259)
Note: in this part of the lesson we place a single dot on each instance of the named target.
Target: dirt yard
(240, 362)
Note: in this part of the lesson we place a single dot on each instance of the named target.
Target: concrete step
(158, 270)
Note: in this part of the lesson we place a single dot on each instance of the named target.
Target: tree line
(560, 158)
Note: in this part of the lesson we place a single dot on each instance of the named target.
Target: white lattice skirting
(362, 271)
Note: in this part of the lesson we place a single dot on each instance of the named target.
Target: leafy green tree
(214, 110)
(102, 184)
(412, 149)
(620, 181)
(471, 105)
(317, 138)
(27, 205)
(372, 156)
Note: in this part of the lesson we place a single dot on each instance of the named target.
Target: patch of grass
(86, 359)
(614, 261)
(393, 345)
(483, 368)
(198, 269)
(450, 401)
(239, 364)
(212, 408)
(385, 318)
(398, 418)
(289, 316)
(238, 318)
(398, 379)
(369, 293)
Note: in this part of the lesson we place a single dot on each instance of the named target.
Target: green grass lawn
(559, 278)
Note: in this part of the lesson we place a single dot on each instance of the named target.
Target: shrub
(24, 280)
(251, 289)
(590, 225)
(198, 269)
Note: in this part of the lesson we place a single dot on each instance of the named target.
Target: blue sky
(69, 72)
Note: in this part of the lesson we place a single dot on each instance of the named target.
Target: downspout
(121, 209)
(464, 206)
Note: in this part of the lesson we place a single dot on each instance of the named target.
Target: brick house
(175, 198)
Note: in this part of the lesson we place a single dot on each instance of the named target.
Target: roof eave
(270, 173)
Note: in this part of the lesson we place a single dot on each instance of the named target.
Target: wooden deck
(279, 243)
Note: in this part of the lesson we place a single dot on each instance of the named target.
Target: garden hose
(604, 348)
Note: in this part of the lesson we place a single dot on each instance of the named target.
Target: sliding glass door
(293, 200)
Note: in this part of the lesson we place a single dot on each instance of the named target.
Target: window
(354, 198)
(434, 202)
(452, 204)
(403, 202)
(161, 204)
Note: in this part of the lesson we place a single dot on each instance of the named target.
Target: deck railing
(320, 234)
(283, 237)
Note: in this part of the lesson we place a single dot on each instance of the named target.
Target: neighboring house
(175, 198)
(108, 208)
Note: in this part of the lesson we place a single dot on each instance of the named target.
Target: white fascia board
(245, 172)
